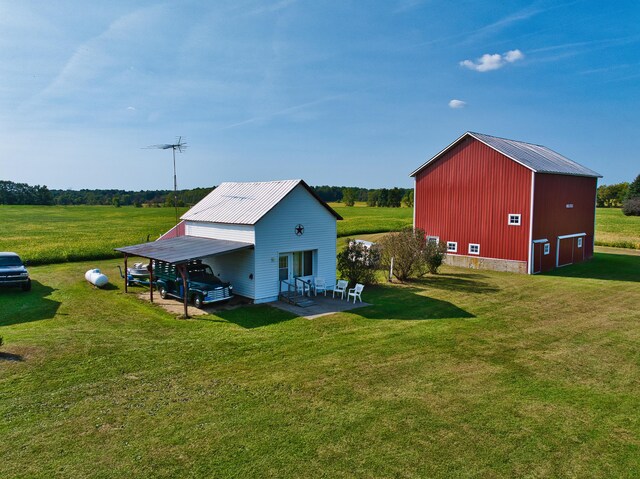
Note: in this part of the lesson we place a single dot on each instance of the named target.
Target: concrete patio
(324, 305)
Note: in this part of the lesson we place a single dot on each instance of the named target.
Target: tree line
(23, 194)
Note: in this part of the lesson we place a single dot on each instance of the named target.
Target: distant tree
(634, 188)
(116, 201)
(407, 199)
(611, 196)
(395, 197)
(372, 197)
(349, 196)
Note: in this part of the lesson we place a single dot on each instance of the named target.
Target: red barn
(506, 205)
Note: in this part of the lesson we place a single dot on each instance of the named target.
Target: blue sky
(335, 92)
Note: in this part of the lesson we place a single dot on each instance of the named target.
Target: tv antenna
(179, 145)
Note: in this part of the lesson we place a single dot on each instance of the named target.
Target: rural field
(53, 234)
(464, 374)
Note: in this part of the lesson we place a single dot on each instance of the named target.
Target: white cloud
(488, 62)
(457, 104)
(513, 55)
(131, 108)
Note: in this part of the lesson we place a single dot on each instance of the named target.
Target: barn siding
(551, 217)
(243, 233)
(275, 234)
(466, 196)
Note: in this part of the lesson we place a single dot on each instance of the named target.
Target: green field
(467, 374)
(615, 229)
(52, 234)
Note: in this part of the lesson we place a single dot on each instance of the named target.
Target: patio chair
(356, 293)
(341, 288)
(319, 285)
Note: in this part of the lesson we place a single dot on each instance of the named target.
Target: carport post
(126, 274)
(185, 296)
(150, 268)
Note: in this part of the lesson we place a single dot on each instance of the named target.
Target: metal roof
(245, 203)
(537, 158)
(183, 248)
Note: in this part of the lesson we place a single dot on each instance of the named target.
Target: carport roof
(183, 248)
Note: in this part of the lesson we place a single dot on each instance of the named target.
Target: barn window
(452, 247)
(547, 248)
(433, 239)
(474, 248)
(579, 242)
(514, 219)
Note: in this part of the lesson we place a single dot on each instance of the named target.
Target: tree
(611, 196)
(631, 206)
(405, 247)
(116, 201)
(634, 188)
(407, 199)
(349, 196)
(358, 263)
(372, 197)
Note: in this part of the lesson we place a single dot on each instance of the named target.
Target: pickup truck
(203, 287)
(13, 271)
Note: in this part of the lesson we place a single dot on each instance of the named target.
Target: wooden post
(391, 271)
(150, 268)
(183, 273)
(126, 275)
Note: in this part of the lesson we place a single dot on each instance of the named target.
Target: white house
(261, 232)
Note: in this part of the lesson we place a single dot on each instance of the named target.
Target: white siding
(244, 233)
(275, 234)
(235, 268)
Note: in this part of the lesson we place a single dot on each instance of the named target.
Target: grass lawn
(615, 229)
(465, 374)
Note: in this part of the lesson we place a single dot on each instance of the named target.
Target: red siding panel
(177, 230)
(466, 196)
(552, 218)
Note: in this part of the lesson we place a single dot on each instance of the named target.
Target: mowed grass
(617, 230)
(464, 374)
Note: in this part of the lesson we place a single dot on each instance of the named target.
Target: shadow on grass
(406, 303)
(17, 306)
(251, 316)
(616, 267)
(461, 282)
(10, 357)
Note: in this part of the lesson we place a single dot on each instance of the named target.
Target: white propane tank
(95, 277)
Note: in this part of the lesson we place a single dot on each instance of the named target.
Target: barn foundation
(474, 262)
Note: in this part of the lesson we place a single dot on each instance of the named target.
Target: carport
(178, 251)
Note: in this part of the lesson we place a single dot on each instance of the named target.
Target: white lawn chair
(341, 288)
(356, 293)
(319, 285)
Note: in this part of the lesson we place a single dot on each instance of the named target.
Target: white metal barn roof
(537, 158)
(245, 203)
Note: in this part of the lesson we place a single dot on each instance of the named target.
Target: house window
(514, 219)
(547, 248)
(433, 239)
(452, 247)
(303, 263)
(579, 242)
(474, 248)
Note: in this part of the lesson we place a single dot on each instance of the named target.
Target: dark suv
(13, 272)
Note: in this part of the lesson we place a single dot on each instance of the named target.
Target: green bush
(357, 263)
(631, 206)
(434, 255)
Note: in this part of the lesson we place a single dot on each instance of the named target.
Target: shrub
(631, 207)
(357, 263)
(434, 255)
(1, 341)
(405, 247)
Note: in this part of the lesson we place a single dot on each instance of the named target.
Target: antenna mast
(179, 145)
